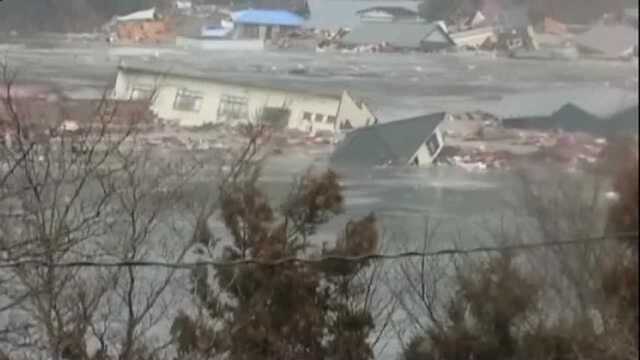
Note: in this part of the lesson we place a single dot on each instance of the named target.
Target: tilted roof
(389, 143)
(404, 35)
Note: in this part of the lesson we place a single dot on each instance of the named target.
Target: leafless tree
(91, 194)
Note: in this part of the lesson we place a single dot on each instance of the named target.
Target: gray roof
(403, 35)
(335, 14)
(389, 143)
(600, 101)
(193, 71)
(610, 40)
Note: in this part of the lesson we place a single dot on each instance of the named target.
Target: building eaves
(191, 72)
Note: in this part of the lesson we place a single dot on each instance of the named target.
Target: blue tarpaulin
(267, 17)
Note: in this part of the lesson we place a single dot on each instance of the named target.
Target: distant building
(415, 141)
(264, 24)
(339, 14)
(412, 36)
(389, 14)
(193, 98)
(593, 110)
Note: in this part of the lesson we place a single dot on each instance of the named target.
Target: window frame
(185, 94)
(233, 107)
(141, 88)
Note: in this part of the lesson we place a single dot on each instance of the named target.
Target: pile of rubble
(146, 26)
(490, 146)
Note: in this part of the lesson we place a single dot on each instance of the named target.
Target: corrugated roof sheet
(389, 143)
(403, 35)
(267, 17)
(610, 40)
(336, 14)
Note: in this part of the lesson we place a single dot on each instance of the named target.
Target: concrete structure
(194, 98)
(415, 141)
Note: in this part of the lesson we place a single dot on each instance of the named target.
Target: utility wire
(318, 260)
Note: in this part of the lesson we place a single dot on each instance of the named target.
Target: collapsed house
(416, 141)
(474, 38)
(141, 26)
(403, 36)
(192, 98)
(597, 111)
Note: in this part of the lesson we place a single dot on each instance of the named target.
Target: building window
(307, 116)
(319, 118)
(331, 119)
(433, 144)
(187, 101)
(141, 93)
(276, 117)
(234, 107)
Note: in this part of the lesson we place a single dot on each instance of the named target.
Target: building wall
(425, 158)
(309, 113)
(358, 114)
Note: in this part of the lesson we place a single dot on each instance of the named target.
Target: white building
(193, 98)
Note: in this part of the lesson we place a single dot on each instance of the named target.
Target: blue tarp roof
(267, 17)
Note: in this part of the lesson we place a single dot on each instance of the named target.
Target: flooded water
(465, 204)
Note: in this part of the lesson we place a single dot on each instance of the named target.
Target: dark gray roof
(610, 40)
(402, 35)
(389, 143)
(601, 101)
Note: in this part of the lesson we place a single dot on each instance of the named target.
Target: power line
(318, 260)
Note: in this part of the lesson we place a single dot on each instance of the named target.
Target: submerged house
(599, 111)
(409, 36)
(415, 141)
(195, 97)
